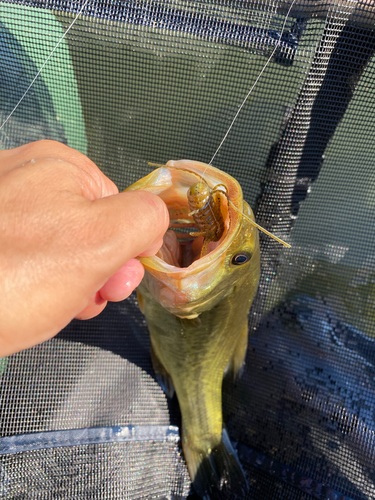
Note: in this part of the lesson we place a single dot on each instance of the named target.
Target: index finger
(17, 157)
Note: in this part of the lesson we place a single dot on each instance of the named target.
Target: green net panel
(132, 82)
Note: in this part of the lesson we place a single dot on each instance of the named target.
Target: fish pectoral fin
(140, 301)
(237, 363)
(219, 472)
(162, 376)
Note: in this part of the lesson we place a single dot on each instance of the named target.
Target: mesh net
(132, 82)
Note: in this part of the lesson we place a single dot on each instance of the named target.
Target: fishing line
(43, 65)
(254, 84)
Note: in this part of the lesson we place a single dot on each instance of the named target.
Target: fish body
(197, 316)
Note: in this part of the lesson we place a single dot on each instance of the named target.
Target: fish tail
(217, 475)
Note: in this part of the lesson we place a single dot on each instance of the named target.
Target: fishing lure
(206, 208)
(205, 205)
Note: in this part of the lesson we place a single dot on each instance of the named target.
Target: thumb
(121, 227)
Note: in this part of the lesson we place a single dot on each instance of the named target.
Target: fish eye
(241, 258)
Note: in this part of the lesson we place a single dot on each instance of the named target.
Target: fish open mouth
(183, 242)
(182, 248)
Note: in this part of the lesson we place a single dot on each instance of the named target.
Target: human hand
(67, 241)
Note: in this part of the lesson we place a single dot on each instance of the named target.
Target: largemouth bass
(197, 314)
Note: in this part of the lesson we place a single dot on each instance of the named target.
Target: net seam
(10, 445)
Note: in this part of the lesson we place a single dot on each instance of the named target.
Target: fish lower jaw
(187, 316)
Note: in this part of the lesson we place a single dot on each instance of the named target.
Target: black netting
(138, 82)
